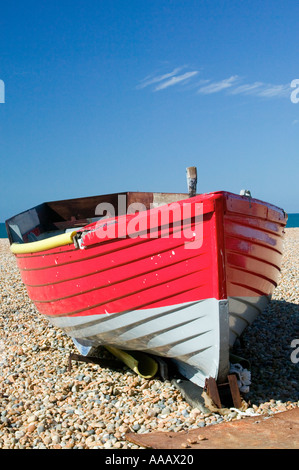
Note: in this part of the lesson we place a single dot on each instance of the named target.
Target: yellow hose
(43, 245)
(139, 362)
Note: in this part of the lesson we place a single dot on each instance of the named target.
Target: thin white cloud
(234, 85)
(270, 91)
(247, 88)
(218, 86)
(150, 81)
(265, 90)
(176, 80)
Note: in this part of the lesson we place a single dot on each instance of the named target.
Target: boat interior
(54, 218)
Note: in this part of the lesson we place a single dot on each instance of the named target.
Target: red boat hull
(235, 259)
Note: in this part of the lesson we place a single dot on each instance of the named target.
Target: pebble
(43, 405)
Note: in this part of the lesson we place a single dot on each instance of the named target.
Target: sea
(3, 233)
(293, 221)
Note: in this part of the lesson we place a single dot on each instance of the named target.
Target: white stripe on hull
(194, 333)
(242, 312)
(197, 336)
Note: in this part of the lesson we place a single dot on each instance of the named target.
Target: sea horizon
(293, 222)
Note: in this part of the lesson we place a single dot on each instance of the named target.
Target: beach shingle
(44, 405)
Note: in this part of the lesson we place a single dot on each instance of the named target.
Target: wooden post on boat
(191, 180)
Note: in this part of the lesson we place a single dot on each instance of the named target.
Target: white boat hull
(196, 336)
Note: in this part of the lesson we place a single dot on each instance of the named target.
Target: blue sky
(108, 96)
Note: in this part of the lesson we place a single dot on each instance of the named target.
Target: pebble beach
(44, 405)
